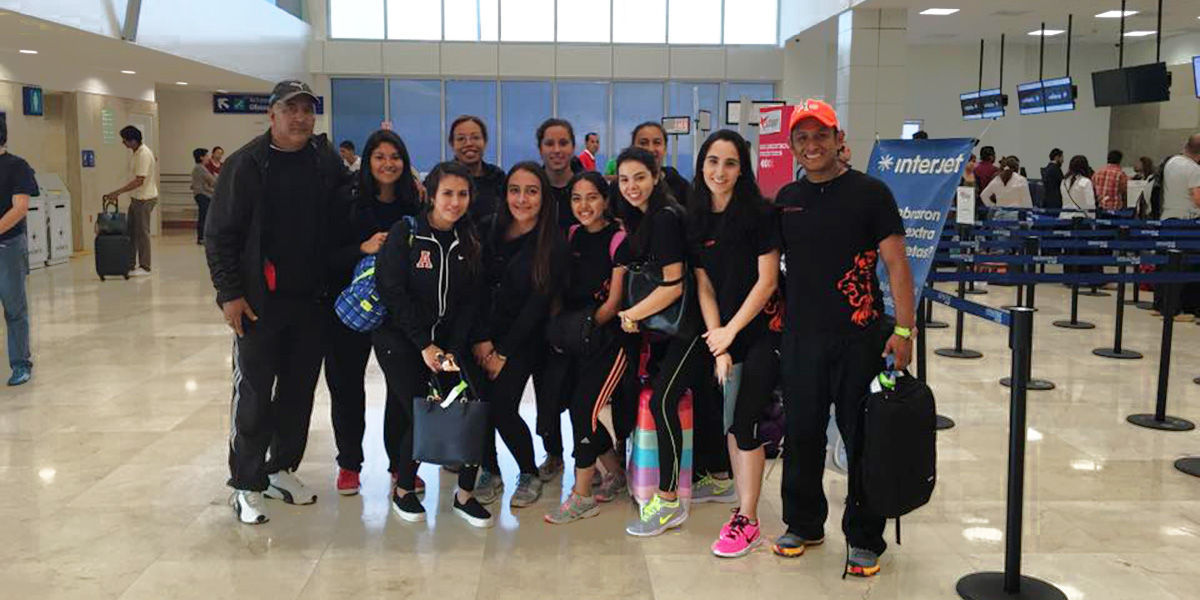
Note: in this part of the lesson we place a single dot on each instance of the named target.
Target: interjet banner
(924, 176)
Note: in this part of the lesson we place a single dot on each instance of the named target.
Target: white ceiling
(978, 19)
(62, 48)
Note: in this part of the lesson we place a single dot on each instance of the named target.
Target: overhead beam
(129, 29)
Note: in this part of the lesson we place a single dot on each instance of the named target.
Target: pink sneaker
(738, 537)
(347, 482)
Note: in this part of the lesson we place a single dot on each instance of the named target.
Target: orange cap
(814, 109)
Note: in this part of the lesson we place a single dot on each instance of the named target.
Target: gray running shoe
(551, 468)
(611, 487)
(711, 489)
(862, 562)
(657, 516)
(575, 508)
(488, 488)
(529, 489)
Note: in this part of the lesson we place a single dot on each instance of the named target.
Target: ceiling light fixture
(1116, 14)
(28, 51)
(1047, 32)
(939, 12)
(1139, 33)
(222, 91)
(129, 72)
(180, 83)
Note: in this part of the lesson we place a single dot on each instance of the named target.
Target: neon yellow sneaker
(657, 516)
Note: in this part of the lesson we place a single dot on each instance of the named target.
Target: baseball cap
(814, 109)
(290, 88)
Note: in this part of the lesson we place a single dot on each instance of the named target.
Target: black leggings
(551, 401)
(751, 393)
(504, 393)
(709, 451)
(589, 381)
(408, 377)
(346, 356)
(676, 365)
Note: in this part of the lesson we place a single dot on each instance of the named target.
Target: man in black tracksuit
(266, 242)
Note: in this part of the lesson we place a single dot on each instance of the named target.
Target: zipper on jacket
(443, 279)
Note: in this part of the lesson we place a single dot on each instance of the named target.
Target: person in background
(386, 193)
(216, 159)
(1008, 189)
(1076, 189)
(204, 184)
(556, 143)
(734, 238)
(651, 136)
(1112, 184)
(1181, 200)
(921, 135)
(610, 170)
(1052, 177)
(468, 140)
(17, 185)
(349, 158)
(267, 240)
(1145, 170)
(837, 224)
(986, 169)
(591, 145)
(143, 194)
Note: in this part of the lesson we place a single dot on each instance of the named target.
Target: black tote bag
(449, 422)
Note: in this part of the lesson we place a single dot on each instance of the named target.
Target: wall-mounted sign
(677, 125)
(32, 99)
(250, 104)
(89, 158)
(108, 127)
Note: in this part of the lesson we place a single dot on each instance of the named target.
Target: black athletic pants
(589, 382)
(759, 374)
(504, 394)
(276, 365)
(676, 365)
(408, 377)
(202, 202)
(819, 371)
(551, 401)
(346, 359)
(710, 452)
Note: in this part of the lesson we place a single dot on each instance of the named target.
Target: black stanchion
(971, 289)
(1040, 385)
(1137, 294)
(930, 322)
(943, 422)
(1075, 323)
(1011, 584)
(1189, 465)
(1094, 292)
(1160, 420)
(1116, 351)
(1196, 381)
(958, 351)
(1145, 305)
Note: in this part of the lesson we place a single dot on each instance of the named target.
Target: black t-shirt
(292, 228)
(831, 233)
(591, 266)
(489, 192)
(665, 244)
(16, 177)
(561, 196)
(729, 253)
(680, 188)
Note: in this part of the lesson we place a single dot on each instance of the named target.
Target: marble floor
(112, 469)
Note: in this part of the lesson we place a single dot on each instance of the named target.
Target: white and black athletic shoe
(408, 507)
(249, 507)
(473, 512)
(287, 487)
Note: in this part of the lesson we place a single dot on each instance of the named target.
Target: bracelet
(903, 332)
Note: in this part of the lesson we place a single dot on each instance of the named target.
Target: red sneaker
(347, 482)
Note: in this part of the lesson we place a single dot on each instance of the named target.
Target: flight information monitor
(1030, 98)
(1059, 94)
(972, 110)
(993, 103)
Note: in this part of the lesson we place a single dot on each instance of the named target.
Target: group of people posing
(475, 275)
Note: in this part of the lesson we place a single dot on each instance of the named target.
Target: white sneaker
(287, 487)
(249, 507)
(139, 272)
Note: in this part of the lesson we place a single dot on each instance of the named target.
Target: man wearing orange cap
(837, 223)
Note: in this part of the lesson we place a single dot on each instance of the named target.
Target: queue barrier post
(1160, 420)
(943, 422)
(958, 351)
(1116, 351)
(1075, 323)
(1033, 383)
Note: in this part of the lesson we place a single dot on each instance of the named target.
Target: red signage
(776, 166)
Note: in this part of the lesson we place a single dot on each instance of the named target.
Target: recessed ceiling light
(180, 83)
(1139, 33)
(129, 72)
(1116, 14)
(1047, 32)
(28, 51)
(939, 12)
(222, 91)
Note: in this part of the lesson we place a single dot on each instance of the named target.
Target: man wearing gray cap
(265, 239)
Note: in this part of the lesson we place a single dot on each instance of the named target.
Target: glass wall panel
(680, 103)
(527, 21)
(472, 20)
(357, 109)
(523, 106)
(416, 114)
(751, 22)
(356, 19)
(414, 20)
(634, 103)
(585, 105)
(584, 20)
(472, 98)
(639, 21)
(695, 22)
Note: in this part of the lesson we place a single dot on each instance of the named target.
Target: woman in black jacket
(386, 192)
(429, 276)
(525, 258)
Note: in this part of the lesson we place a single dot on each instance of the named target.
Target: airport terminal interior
(1078, 479)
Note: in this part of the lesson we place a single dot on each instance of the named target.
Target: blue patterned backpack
(359, 306)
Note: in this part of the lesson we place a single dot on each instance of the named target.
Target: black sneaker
(473, 512)
(408, 507)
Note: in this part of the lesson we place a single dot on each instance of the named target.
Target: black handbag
(575, 332)
(111, 222)
(640, 281)
(450, 422)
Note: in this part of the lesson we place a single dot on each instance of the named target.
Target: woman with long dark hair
(651, 136)
(588, 376)
(734, 234)
(658, 246)
(385, 194)
(430, 277)
(468, 140)
(524, 261)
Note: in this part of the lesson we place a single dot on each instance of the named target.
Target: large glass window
(357, 109)
(472, 20)
(751, 22)
(523, 106)
(414, 20)
(679, 103)
(356, 19)
(585, 105)
(695, 22)
(639, 21)
(527, 21)
(584, 20)
(756, 91)
(634, 103)
(416, 114)
(472, 98)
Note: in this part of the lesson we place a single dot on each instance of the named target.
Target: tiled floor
(112, 471)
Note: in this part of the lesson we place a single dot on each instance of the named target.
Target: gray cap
(290, 88)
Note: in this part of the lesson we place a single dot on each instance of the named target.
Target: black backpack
(896, 449)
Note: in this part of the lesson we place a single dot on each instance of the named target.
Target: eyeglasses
(463, 139)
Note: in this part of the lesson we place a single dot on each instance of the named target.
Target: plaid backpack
(359, 306)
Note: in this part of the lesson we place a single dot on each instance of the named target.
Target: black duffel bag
(450, 422)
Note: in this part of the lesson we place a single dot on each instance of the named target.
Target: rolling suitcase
(114, 256)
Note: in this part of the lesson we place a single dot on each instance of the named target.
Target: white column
(872, 53)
